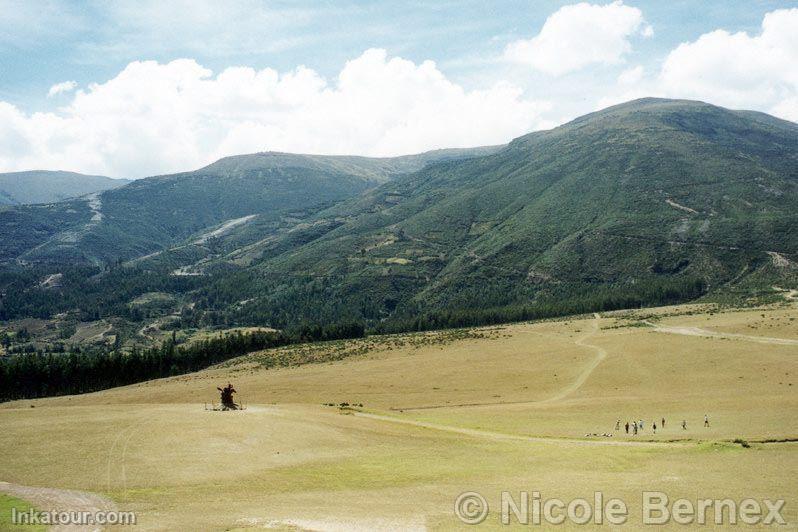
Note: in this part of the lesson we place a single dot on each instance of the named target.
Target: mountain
(267, 190)
(649, 202)
(42, 186)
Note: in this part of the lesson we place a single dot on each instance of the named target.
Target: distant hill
(373, 169)
(148, 215)
(43, 186)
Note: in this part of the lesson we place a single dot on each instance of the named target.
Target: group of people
(636, 426)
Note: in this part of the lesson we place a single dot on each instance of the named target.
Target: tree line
(600, 299)
(31, 375)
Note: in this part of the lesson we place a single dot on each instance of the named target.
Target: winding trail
(580, 380)
(601, 354)
(51, 499)
(698, 331)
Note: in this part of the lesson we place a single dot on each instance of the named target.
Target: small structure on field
(226, 400)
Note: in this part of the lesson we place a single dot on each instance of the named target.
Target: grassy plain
(486, 410)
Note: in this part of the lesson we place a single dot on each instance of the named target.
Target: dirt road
(580, 380)
(50, 499)
(698, 331)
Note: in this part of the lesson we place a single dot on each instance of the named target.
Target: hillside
(43, 186)
(649, 202)
(150, 214)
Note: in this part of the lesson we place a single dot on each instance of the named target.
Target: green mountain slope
(649, 196)
(148, 215)
(42, 186)
(649, 202)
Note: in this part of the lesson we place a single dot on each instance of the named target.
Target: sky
(133, 89)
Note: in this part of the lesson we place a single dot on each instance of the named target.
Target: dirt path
(680, 207)
(601, 354)
(789, 294)
(223, 228)
(779, 260)
(580, 380)
(698, 331)
(50, 499)
(498, 436)
(96, 205)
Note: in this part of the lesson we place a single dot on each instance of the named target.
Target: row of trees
(45, 374)
(81, 371)
(599, 300)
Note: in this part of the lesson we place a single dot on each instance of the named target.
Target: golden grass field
(487, 410)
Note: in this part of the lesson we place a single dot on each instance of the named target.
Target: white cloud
(630, 76)
(156, 118)
(64, 86)
(739, 70)
(579, 35)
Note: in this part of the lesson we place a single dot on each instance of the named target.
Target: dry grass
(288, 461)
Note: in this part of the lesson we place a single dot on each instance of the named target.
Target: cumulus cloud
(579, 35)
(64, 86)
(156, 118)
(740, 70)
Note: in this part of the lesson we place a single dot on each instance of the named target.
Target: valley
(403, 330)
(510, 407)
(651, 202)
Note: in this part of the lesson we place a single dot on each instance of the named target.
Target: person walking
(627, 427)
(684, 424)
(663, 423)
(654, 426)
(618, 425)
(706, 421)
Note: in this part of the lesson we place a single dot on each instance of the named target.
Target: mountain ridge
(149, 214)
(649, 202)
(522, 221)
(49, 186)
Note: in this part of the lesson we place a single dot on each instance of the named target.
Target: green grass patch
(7, 504)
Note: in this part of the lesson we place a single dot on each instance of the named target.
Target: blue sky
(490, 58)
(87, 42)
